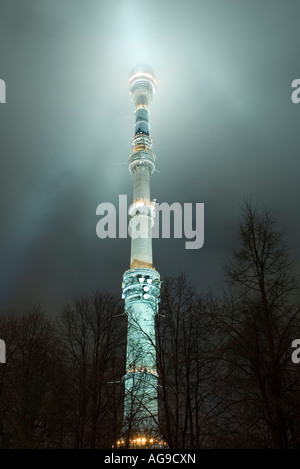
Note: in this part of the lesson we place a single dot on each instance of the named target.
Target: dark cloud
(223, 124)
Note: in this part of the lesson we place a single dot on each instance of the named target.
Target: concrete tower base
(141, 290)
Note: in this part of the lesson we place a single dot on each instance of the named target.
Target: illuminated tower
(141, 283)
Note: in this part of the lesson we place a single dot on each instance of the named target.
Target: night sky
(223, 124)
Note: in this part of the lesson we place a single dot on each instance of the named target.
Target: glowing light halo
(138, 75)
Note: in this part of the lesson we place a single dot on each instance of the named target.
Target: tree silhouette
(256, 324)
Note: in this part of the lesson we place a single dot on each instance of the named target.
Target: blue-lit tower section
(141, 283)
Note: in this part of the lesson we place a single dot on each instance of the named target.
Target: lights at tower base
(142, 441)
(142, 370)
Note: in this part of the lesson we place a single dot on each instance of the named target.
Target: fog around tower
(223, 124)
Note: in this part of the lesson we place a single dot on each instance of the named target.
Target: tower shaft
(141, 283)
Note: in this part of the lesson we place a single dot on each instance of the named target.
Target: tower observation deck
(141, 283)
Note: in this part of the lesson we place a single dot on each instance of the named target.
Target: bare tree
(256, 324)
(188, 407)
(93, 346)
(28, 380)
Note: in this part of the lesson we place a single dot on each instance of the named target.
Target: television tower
(141, 283)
